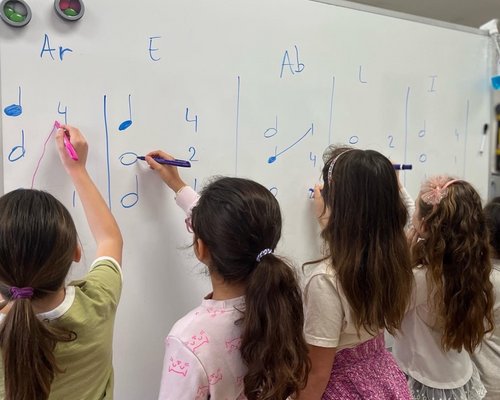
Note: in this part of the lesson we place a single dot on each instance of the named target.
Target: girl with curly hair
(451, 307)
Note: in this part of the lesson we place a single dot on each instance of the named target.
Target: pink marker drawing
(69, 147)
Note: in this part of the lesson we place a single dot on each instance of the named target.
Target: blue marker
(175, 163)
(402, 166)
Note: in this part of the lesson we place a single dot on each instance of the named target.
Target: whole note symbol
(14, 110)
(125, 124)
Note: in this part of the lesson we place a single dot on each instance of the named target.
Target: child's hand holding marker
(397, 168)
(168, 173)
(67, 143)
(72, 147)
(321, 213)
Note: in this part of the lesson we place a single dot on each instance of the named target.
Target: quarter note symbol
(125, 124)
(14, 110)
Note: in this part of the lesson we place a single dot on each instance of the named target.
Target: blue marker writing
(175, 163)
(402, 166)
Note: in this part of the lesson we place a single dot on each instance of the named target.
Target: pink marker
(69, 147)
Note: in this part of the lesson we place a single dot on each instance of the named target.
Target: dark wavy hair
(37, 244)
(365, 236)
(456, 254)
(237, 219)
(492, 217)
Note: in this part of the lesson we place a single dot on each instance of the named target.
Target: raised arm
(322, 214)
(101, 222)
(168, 173)
(185, 197)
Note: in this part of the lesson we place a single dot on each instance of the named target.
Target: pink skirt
(366, 372)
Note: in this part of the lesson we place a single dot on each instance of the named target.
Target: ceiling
(472, 13)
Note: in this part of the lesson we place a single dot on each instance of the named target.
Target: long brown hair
(37, 244)
(456, 255)
(365, 236)
(492, 218)
(237, 219)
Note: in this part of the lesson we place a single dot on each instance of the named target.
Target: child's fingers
(60, 141)
(160, 153)
(152, 162)
(78, 142)
(319, 206)
(318, 198)
(166, 171)
(317, 190)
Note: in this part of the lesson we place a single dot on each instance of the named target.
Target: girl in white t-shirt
(245, 340)
(451, 307)
(364, 283)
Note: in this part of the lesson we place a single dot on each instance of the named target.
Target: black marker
(483, 140)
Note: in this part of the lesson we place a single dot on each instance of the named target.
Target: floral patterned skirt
(366, 372)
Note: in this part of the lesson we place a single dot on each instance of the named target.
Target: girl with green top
(56, 340)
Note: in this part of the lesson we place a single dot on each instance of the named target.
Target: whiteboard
(254, 89)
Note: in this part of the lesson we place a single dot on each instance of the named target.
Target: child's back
(451, 304)
(487, 356)
(88, 310)
(363, 284)
(245, 340)
(56, 340)
(203, 351)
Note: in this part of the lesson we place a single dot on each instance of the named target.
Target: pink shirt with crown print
(202, 351)
(202, 354)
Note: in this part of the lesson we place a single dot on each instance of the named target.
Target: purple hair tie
(21, 293)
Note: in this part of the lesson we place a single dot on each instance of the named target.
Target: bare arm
(168, 173)
(101, 222)
(322, 214)
(321, 368)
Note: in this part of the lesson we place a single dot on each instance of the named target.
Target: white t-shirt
(418, 350)
(328, 316)
(409, 204)
(202, 354)
(487, 356)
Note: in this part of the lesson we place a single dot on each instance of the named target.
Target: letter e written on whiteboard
(152, 49)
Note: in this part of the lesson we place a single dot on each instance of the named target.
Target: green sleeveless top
(88, 309)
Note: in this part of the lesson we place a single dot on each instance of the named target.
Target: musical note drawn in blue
(125, 124)
(272, 159)
(14, 110)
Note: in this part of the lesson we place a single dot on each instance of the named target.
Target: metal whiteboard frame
(402, 15)
(492, 173)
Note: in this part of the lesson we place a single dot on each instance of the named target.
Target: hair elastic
(330, 169)
(21, 293)
(435, 190)
(263, 253)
